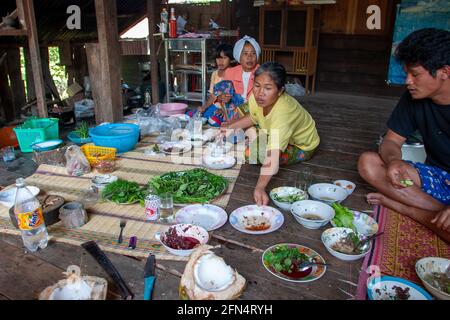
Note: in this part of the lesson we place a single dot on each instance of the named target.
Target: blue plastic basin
(122, 136)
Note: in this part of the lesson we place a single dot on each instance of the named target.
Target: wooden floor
(348, 125)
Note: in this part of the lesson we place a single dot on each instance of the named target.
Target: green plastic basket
(36, 130)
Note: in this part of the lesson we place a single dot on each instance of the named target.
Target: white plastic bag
(295, 89)
(76, 162)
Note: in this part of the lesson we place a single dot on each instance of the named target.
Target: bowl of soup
(327, 193)
(312, 214)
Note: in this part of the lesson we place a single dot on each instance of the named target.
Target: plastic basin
(169, 109)
(122, 136)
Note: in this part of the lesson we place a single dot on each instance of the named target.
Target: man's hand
(442, 219)
(261, 197)
(397, 173)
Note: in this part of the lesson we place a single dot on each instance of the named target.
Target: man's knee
(369, 165)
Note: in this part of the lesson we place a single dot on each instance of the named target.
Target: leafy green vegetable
(156, 148)
(192, 186)
(283, 258)
(124, 192)
(407, 182)
(83, 130)
(343, 217)
(289, 198)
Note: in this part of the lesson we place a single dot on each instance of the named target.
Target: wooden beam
(13, 32)
(48, 79)
(33, 43)
(152, 6)
(110, 59)
(21, 14)
(95, 76)
(31, 90)
(17, 84)
(6, 99)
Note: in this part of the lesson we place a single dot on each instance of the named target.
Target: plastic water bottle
(30, 218)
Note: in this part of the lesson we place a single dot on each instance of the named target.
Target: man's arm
(391, 147)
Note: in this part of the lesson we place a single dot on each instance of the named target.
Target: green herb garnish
(192, 186)
(343, 217)
(283, 258)
(124, 192)
(83, 130)
(289, 198)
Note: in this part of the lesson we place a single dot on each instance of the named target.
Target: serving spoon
(364, 244)
(307, 264)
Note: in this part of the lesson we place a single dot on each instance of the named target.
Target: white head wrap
(239, 46)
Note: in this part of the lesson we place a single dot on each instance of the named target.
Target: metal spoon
(364, 245)
(307, 264)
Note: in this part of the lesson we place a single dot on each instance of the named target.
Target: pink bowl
(168, 109)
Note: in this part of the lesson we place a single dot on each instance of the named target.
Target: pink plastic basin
(168, 109)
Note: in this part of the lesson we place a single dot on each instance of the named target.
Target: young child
(224, 109)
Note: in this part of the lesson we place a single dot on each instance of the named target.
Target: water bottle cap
(20, 182)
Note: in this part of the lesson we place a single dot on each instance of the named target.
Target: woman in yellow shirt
(291, 131)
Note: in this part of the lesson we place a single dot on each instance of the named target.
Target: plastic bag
(295, 89)
(76, 162)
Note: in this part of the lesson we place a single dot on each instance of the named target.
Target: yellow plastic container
(94, 154)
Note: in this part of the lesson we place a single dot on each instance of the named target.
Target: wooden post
(110, 59)
(17, 85)
(33, 43)
(152, 6)
(31, 89)
(6, 99)
(95, 75)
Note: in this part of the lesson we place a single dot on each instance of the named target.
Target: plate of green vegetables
(124, 192)
(191, 186)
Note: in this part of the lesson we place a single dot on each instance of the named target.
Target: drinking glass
(8, 154)
(304, 179)
(166, 207)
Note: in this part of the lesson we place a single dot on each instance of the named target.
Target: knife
(98, 254)
(149, 277)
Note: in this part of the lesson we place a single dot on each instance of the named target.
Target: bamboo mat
(104, 218)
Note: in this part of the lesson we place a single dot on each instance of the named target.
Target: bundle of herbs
(285, 259)
(192, 186)
(124, 192)
(83, 130)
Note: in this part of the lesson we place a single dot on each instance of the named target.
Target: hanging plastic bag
(76, 162)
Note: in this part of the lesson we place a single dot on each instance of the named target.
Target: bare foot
(375, 198)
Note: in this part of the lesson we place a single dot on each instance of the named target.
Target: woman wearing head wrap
(247, 52)
(225, 107)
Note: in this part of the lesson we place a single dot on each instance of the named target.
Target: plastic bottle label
(30, 220)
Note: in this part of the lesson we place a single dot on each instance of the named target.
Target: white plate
(7, 197)
(181, 146)
(211, 148)
(364, 223)
(382, 289)
(316, 271)
(208, 216)
(250, 216)
(219, 163)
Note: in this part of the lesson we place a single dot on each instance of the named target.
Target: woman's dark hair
(226, 49)
(428, 47)
(275, 70)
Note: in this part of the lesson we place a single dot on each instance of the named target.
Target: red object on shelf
(172, 24)
(8, 137)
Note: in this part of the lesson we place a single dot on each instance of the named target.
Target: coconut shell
(98, 285)
(189, 290)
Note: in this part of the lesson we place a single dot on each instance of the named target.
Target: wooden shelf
(13, 32)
